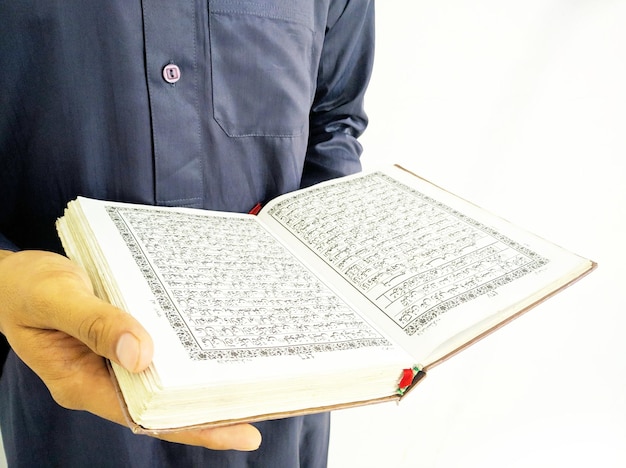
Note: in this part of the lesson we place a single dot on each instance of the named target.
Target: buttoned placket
(172, 75)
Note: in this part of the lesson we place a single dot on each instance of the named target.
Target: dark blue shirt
(219, 104)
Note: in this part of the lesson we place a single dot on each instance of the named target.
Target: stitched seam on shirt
(189, 201)
(261, 15)
(293, 11)
(289, 14)
(197, 94)
(260, 134)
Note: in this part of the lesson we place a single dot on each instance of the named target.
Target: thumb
(109, 332)
(50, 292)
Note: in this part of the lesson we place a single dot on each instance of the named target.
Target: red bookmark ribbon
(407, 379)
(255, 211)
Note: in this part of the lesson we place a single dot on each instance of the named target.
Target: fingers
(244, 437)
(78, 379)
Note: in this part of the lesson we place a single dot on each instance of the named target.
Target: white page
(428, 267)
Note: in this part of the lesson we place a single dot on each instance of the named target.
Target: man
(218, 105)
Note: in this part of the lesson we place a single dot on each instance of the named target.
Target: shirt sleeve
(337, 116)
(6, 244)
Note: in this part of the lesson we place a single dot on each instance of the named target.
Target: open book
(342, 294)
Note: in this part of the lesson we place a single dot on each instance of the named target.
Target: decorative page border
(185, 335)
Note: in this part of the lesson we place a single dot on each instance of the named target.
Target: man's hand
(63, 332)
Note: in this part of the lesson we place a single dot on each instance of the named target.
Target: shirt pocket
(261, 65)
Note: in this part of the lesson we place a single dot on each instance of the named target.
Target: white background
(519, 107)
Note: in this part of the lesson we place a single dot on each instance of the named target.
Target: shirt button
(171, 73)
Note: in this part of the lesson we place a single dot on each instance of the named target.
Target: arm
(337, 116)
(62, 331)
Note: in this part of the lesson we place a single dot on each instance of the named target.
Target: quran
(342, 294)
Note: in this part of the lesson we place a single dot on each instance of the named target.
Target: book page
(224, 295)
(429, 265)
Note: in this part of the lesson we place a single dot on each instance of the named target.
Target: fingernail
(128, 351)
